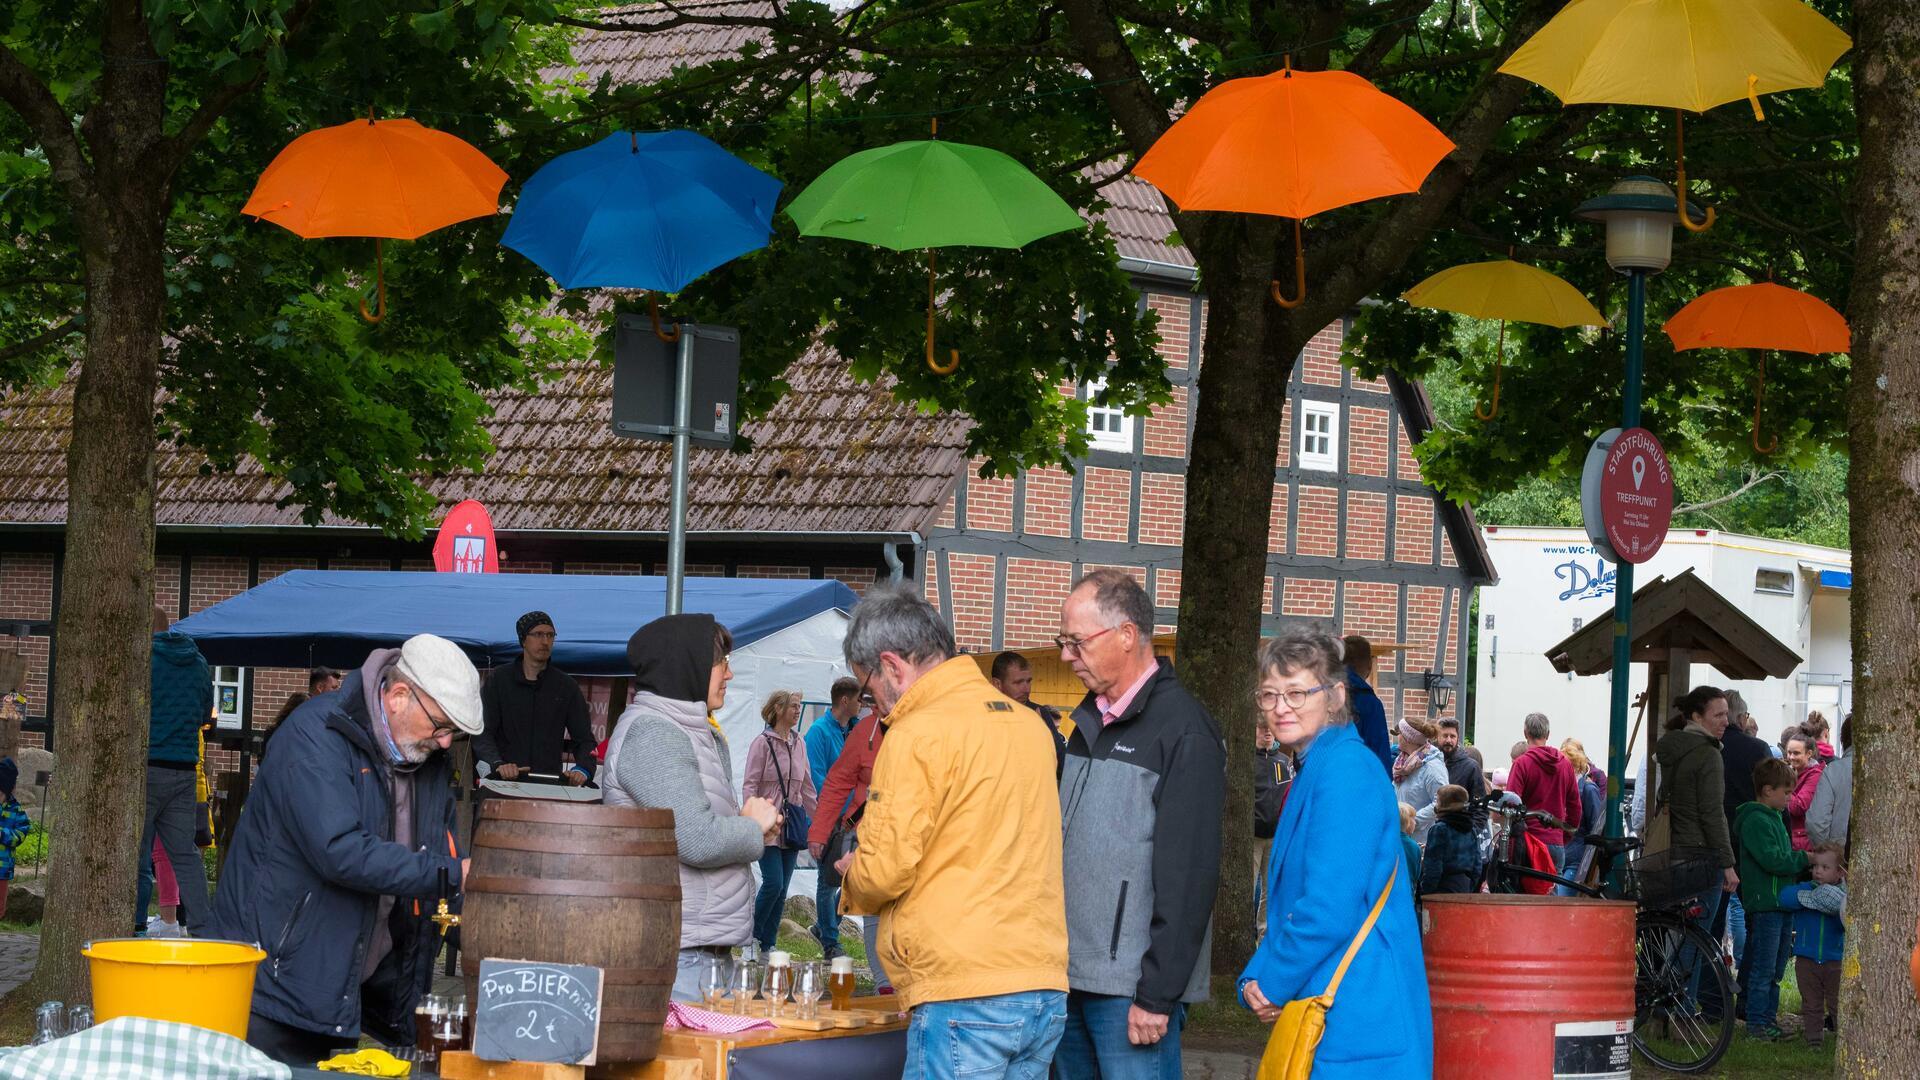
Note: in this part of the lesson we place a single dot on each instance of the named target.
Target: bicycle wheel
(1668, 1028)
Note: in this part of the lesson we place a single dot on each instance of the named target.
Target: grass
(1789, 1059)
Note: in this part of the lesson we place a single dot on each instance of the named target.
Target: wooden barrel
(580, 883)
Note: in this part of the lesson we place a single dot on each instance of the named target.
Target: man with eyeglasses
(535, 714)
(344, 848)
(1140, 801)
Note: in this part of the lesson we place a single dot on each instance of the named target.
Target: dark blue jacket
(309, 862)
(1452, 862)
(182, 691)
(1370, 719)
(1818, 936)
(1337, 842)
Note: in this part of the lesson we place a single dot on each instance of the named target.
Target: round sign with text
(1636, 495)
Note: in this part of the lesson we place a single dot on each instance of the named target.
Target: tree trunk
(1245, 360)
(1880, 1035)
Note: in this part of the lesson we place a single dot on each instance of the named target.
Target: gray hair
(1120, 599)
(1736, 705)
(1309, 649)
(894, 618)
(1536, 726)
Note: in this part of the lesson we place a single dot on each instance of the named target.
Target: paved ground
(17, 955)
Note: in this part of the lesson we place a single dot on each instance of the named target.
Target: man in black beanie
(534, 711)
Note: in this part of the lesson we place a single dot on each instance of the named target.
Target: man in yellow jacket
(959, 851)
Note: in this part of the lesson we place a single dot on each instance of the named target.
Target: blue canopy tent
(335, 617)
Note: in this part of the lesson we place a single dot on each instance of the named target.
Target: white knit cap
(438, 669)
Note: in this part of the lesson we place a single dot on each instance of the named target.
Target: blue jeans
(1709, 901)
(690, 972)
(776, 871)
(1011, 1035)
(1769, 934)
(826, 916)
(1737, 924)
(1095, 1046)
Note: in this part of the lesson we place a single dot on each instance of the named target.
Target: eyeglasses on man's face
(442, 727)
(1269, 700)
(1075, 644)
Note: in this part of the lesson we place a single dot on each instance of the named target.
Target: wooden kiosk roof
(1681, 614)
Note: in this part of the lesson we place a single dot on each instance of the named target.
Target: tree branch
(1211, 31)
(1694, 508)
(28, 96)
(1104, 50)
(175, 148)
(42, 340)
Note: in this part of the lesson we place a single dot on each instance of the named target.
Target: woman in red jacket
(1804, 755)
(841, 797)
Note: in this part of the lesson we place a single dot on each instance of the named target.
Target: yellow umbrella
(1679, 54)
(1505, 290)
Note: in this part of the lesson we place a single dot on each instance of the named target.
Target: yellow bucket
(205, 983)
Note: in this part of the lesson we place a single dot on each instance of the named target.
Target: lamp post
(1439, 690)
(1639, 214)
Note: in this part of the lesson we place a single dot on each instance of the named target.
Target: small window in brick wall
(1319, 436)
(1108, 427)
(229, 690)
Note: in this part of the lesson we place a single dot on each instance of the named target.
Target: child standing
(14, 825)
(1409, 847)
(1452, 860)
(1767, 864)
(1819, 936)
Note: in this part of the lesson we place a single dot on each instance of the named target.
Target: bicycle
(1673, 957)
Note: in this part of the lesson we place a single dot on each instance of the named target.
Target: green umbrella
(930, 194)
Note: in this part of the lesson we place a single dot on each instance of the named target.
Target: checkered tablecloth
(694, 1018)
(134, 1048)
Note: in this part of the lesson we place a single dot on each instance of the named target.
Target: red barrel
(1528, 987)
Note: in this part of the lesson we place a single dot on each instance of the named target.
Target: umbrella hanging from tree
(651, 210)
(1292, 144)
(1509, 291)
(388, 179)
(1760, 317)
(1679, 54)
(932, 194)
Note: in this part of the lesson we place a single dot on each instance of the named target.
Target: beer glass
(425, 1015)
(779, 981)
(746, 984)
(807, 989)
(840, 983)
(713, 983)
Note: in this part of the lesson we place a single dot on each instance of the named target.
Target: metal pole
(682, 423)
(1623, 580)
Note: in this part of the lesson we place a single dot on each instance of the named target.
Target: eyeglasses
(547, 634)
(441, 726)
(866, 697)
(1268, 700)
(1076, 645)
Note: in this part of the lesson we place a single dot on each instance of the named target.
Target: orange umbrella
(1293, 144)
(378, 178)
(1760, 316)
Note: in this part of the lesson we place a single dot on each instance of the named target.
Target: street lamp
(1639, 213)
(1439, 691)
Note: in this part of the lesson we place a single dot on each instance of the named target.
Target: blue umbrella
(641, 211)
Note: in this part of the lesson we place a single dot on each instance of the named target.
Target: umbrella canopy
(1509, 291)
(381, 178)
(931, 194)
(1760, 316)
(1680, 54)
(1293, 144)
(641, 211)
(928, 194)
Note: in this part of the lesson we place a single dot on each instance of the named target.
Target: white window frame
(229, 677)
(1785, 582)
(1325, 459)
(1114, 430)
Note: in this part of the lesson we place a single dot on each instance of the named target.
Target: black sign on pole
(532, 1011)
(643, 381)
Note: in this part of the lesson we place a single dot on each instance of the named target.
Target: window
(229, 689)
(1108, 426)
(1319, 436)
(1773, 581)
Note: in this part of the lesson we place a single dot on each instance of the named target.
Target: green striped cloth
(135, 1048)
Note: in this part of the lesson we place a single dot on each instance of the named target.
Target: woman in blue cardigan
(1337, 842)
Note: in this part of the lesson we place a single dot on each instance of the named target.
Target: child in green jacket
(1767, 864)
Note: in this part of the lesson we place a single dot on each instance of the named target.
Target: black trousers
(292, 1045)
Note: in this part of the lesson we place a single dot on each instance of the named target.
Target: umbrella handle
(1299, 275)
(1499, 353)
(953, 363)
(1680, 181)
(1759, 395)
(379, 286)
(653, 309)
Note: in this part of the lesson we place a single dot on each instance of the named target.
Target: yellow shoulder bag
(1296, 1035)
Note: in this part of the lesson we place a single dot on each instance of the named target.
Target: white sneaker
(159, 928)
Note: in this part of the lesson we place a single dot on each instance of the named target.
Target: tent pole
(677, 514)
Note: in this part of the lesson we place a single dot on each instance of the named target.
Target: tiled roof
(1138, 218)
(558, 466)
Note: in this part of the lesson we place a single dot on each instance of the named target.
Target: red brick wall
(856, 578)
(1366, 525)
(1413, 530)
(26, 588)
(785, 573)
(1309, 598)
(1166, 589)
(1277, 520)
(989, 502)
(1406, 467)
(1105, 504)
(1175, 327)
(1317, 531)
(216, 578)
(1366, 435)
(970, 579)
(1371, 609)
(1049, 509)
(1321, 359)
(1042, 586)
(1166, 434)
(1163, 508)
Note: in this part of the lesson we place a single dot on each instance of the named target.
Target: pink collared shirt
(1111, 710)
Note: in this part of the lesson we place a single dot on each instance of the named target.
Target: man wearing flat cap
(533, 712)
(340, 854)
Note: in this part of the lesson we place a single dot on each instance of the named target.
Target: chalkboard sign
(532, 1011)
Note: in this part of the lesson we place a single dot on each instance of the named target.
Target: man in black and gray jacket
(1140, 802)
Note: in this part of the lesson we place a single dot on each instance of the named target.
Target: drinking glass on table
(448, 1032)
(779, 981)
(746, 984)
(79, 1019)
(425, 1015)
(49, 1023)
(713, 983)
(840, 982)
(464, 1020)
(807, 988)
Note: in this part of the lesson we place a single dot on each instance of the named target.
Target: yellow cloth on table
(366, 1063)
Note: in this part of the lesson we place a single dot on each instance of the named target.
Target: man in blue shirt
(825, 739)
(1369, 715)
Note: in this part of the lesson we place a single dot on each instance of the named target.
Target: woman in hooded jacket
(668, 753)
(1419, 773)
